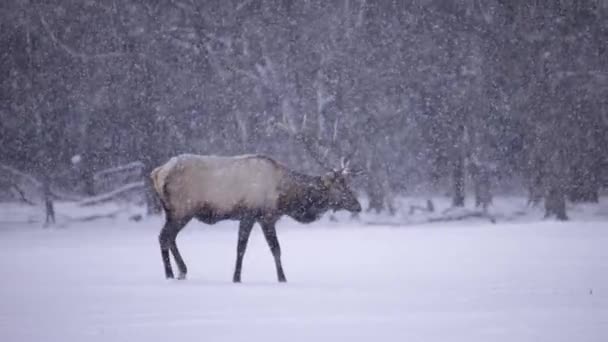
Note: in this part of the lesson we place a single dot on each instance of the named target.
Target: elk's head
(335, 182)
(341, 197)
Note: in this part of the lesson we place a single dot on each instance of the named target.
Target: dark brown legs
(166, 239)
(270, 233)
(245, 227)
(271, 237)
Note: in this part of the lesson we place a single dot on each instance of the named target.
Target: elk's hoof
(181, 276)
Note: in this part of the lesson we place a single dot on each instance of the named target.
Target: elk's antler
(344, 163)
(320, 151)
(345, 168)
(313, 146)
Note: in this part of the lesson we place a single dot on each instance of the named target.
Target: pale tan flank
(194, 181)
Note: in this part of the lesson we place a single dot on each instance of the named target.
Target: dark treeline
(427, 96)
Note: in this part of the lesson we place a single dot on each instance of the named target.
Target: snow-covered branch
(135, 166)
(114, 194)
(21, 175)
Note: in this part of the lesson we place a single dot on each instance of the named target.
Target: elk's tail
(159, 178)
(157, 181)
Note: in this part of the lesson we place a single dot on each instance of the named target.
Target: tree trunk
(377, 186)
(48, 200)
(458, 165)
(458, 183)
(151, 157)
(88, 179)
(482, 187)
(535, 190)
(555, 197)
(88, 162)
(555, 203)
(375, 195)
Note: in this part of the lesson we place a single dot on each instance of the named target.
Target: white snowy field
(467, 281)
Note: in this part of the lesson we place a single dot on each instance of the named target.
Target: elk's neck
(304, 199)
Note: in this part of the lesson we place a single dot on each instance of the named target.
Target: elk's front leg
(245, 227)
(270, 233)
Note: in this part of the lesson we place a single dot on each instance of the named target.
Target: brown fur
(304, 198)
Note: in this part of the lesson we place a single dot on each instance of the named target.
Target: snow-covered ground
(472, 280)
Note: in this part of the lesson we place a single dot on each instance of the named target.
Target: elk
(245, 188)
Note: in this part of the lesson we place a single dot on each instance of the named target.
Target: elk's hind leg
(181, 265)
(167, 240)
(164, 240)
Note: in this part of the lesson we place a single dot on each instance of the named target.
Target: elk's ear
(329, 179)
